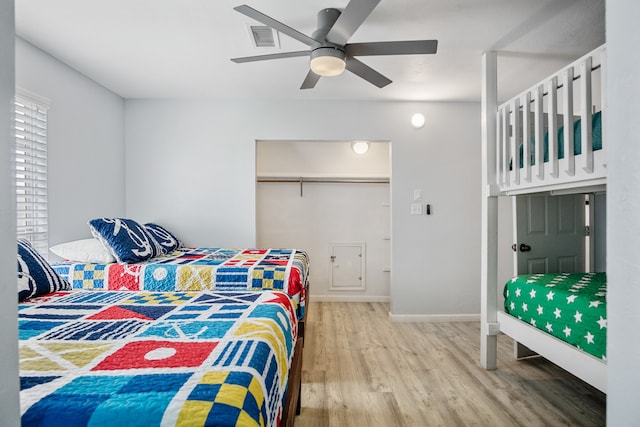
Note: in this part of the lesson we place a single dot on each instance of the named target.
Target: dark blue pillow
(35, 275)
(167, 241)
(128, 241)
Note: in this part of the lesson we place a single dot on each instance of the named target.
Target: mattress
(155, 358)
(569, 306)
(195, 269)
(596, 140)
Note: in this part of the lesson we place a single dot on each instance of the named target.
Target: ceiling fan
(329, 51)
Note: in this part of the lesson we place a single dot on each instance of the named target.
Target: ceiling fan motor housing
(326, 19)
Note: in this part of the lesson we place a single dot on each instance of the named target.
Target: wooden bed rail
(530, 124)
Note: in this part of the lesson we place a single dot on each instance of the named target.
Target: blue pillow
(35, 275)
(128, 241)
(166, 240)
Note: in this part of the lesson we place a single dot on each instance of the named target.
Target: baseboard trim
(399, 318)
(350, 298)
(433, 318)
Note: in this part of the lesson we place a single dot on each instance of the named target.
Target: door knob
(523, 247)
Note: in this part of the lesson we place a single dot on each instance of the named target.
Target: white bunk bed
(536, 115)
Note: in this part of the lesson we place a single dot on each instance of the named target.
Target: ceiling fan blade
(276, 25)
(350, 20)
(271, 56)
(413, 47)
(310, 81)
(369, 74)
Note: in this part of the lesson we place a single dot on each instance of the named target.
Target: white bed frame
(570, 92)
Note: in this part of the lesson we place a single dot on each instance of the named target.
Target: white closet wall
(316, 215)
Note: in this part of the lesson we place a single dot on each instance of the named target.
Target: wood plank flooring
(361, 369)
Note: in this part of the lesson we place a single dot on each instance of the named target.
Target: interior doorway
(321, 195)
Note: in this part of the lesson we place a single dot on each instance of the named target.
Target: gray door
(550, 233)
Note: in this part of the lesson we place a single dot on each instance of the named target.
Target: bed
(569, 306)
(180, 351)
(192, 269)
(219, 358)
(528, 130)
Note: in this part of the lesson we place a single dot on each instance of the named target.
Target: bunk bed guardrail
(533, 124)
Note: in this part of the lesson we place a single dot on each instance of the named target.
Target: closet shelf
(323, 179)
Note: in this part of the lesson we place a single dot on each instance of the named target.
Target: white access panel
(347, 264)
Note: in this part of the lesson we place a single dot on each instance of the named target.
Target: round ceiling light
(360, 147)
(417, 120)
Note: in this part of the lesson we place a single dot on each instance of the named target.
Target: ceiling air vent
(263, 36)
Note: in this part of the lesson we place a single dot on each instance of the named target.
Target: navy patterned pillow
(167, 241)
(128, 241)
(35, 275)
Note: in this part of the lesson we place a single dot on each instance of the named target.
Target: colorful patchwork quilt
(569, 306)
(155, 358)
(195, 269)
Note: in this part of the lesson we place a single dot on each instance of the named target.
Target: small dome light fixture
(360, 147)
(417, 120)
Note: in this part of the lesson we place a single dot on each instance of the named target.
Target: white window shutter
(31, 171)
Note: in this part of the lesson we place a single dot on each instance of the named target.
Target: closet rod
(301, 180)
(329, 180)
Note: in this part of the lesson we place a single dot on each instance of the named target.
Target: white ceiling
(182, 48)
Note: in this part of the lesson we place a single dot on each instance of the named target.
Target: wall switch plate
(416, 208)
(417, 195)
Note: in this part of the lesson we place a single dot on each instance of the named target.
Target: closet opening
(334, 203)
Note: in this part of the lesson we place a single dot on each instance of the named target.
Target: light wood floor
(361, 369)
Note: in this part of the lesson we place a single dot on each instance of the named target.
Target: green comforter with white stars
(569, 306)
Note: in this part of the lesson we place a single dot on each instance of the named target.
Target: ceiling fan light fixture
(327, 61)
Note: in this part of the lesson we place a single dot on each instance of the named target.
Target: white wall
(623, 206)
(85, 141)
(330, 213)
(436, 258)
(191, 166)
(322, 159)
(9, 385)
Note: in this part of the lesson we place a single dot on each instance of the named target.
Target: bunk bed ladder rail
(567, 81)
(526, 136)
(585, 112)
(538, 117)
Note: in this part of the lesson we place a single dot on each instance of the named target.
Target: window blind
(31, 171)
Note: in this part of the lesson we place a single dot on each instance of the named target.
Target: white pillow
(85, 250)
